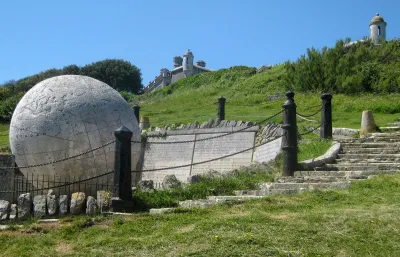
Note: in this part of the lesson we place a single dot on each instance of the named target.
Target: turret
(188, 63)
(377, 27)
(201, 63)
(177, 61)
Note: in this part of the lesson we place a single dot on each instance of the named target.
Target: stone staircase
(359, 159)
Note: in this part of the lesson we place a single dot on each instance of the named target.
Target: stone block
(24, 206)
(78, 202)
(39, 206)
(104, 200)
(51, 204)
(13, 211)
(4, 209)
(170, 181)
(91, 206)
(146, 185)
(63, 203)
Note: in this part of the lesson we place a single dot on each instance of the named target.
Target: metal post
(289, 139)
(122, 188)
(221, 108)
(136, 109)
(326, 116)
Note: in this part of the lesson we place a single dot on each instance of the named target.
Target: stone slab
(158, 156)
(220, 147)
(267, 152)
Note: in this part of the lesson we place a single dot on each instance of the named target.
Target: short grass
(4, 141)
(360, 221)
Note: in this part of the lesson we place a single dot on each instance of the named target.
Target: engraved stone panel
(267, 152)
(167, 155)
(220, 147)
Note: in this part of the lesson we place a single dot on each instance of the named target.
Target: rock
(50, 192)
(212, 174)
(39, 206)
(194, 179)
(170, 181)
(232, 123)
(24, 206)
(239, 123)
(63, 204)
(13, 211)
(77, 203)
(204, 125)
(146, 185)
(4, 209)
(210, 123)
(104, 200)
(51, 204)
(91, 206)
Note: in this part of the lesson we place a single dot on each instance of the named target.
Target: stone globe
(69, 116)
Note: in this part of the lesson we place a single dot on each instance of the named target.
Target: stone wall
(164, 148)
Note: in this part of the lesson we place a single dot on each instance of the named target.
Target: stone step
(352, 174)
(301, 186)
(364, 161)
(360, 166)
(369, 145)
(310, 179)
(390, 129)
(370, 156)
(224, 198)
(365, 150)
(394, 124)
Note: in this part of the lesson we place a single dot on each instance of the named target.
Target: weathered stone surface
(39, 206)
(170, 181)
(104, 200)
(69, 108)
(78, 203)
(91, 206)
(146, 185)
(194, 179)
(24, 206)
(4, 209)
(51, 204)
(197, 203)
(268, 151)
(63, 203)
(161, 210)
(13, 211)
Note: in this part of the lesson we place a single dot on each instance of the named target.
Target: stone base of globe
(67, 117)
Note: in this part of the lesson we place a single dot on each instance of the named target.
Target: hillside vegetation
(361, 77)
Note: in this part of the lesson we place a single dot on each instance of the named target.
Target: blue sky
(44, 34)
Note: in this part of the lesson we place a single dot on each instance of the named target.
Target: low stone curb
(328, 157)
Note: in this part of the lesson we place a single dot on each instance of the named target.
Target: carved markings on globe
(66, 116)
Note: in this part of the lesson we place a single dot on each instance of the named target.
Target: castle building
(377, 28)
(183, 68)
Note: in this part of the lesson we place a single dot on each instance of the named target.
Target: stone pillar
(367, 123)
(326, 116)
(289, 139)
(221, 108)
(136, 110)
(122, 189)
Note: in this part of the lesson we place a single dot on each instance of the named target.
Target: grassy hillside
(360, 221)
(195, 98)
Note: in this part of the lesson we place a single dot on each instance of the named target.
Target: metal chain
(219, 136)
(311, 131)
(211, 160)
(61, 160)
(65, 184)
(310, 115)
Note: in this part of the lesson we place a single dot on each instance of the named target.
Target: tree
(119, 74)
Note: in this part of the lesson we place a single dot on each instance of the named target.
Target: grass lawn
(360, 221)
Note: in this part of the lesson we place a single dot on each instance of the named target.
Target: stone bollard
(326, 116)
(4, 209)
(136, 110)
(63, 203)
(39, 206)
(367, 123)
(221, 108)
(144, 123)
(289, 139)
(122, 189)
(78, 203)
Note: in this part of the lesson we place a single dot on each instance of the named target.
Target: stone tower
(188, 63)
(377, 27)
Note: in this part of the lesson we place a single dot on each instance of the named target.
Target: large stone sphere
(66, 116)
